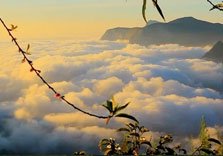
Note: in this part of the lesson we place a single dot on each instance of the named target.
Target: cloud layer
(168, 86)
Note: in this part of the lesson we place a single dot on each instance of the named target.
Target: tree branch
(214, 6)
(37, 72)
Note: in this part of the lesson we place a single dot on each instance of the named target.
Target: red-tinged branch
(37, 72)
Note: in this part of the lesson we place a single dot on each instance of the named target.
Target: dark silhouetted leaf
(207, 151)
(123, 129)
(155, 2)
(214, 140)
(104, 142)
(170, 151)
(27, 49)
(122, 115)
(104, 105)
(183, 150)
(160, 147)
(110, 105)
(117, 109)
(144, 10)
(130, 125)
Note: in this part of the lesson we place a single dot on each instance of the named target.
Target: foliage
(203, 136)
(218, 6)
(135, 143)
(113, 107)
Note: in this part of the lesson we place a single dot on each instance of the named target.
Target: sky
(89, 19)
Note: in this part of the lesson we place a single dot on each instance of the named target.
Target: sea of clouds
(169, 88)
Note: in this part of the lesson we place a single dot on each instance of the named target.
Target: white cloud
(168, 86)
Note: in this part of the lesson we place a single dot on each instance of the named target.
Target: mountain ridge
(186, 31)
(215, 54)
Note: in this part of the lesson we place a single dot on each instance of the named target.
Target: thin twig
(214, 6)
(197, 149)
(37, 72)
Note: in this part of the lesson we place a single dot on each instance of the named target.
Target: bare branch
(37, 72)
(216, 6)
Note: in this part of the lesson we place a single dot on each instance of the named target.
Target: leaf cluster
(134, 142)
(114, 108)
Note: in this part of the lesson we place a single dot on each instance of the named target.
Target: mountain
(120, 33)
(215, 54)
(150, 22)
(186, 31)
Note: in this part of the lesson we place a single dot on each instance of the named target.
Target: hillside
(186, 31)
(215, 54)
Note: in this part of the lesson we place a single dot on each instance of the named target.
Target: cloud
(168, 86)
(109, 86)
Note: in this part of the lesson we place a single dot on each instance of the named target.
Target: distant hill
(150, 22)
(120, 33)
(215, 54)
(186, 31)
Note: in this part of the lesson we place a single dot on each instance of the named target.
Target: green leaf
(110, 105)
(123, 129)
(123, 115)
(158, 8)
(207, 151)
(130, 125)
(117, 109)
(106, 107)
(214, 140)
(144, 10)
(104, 141)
